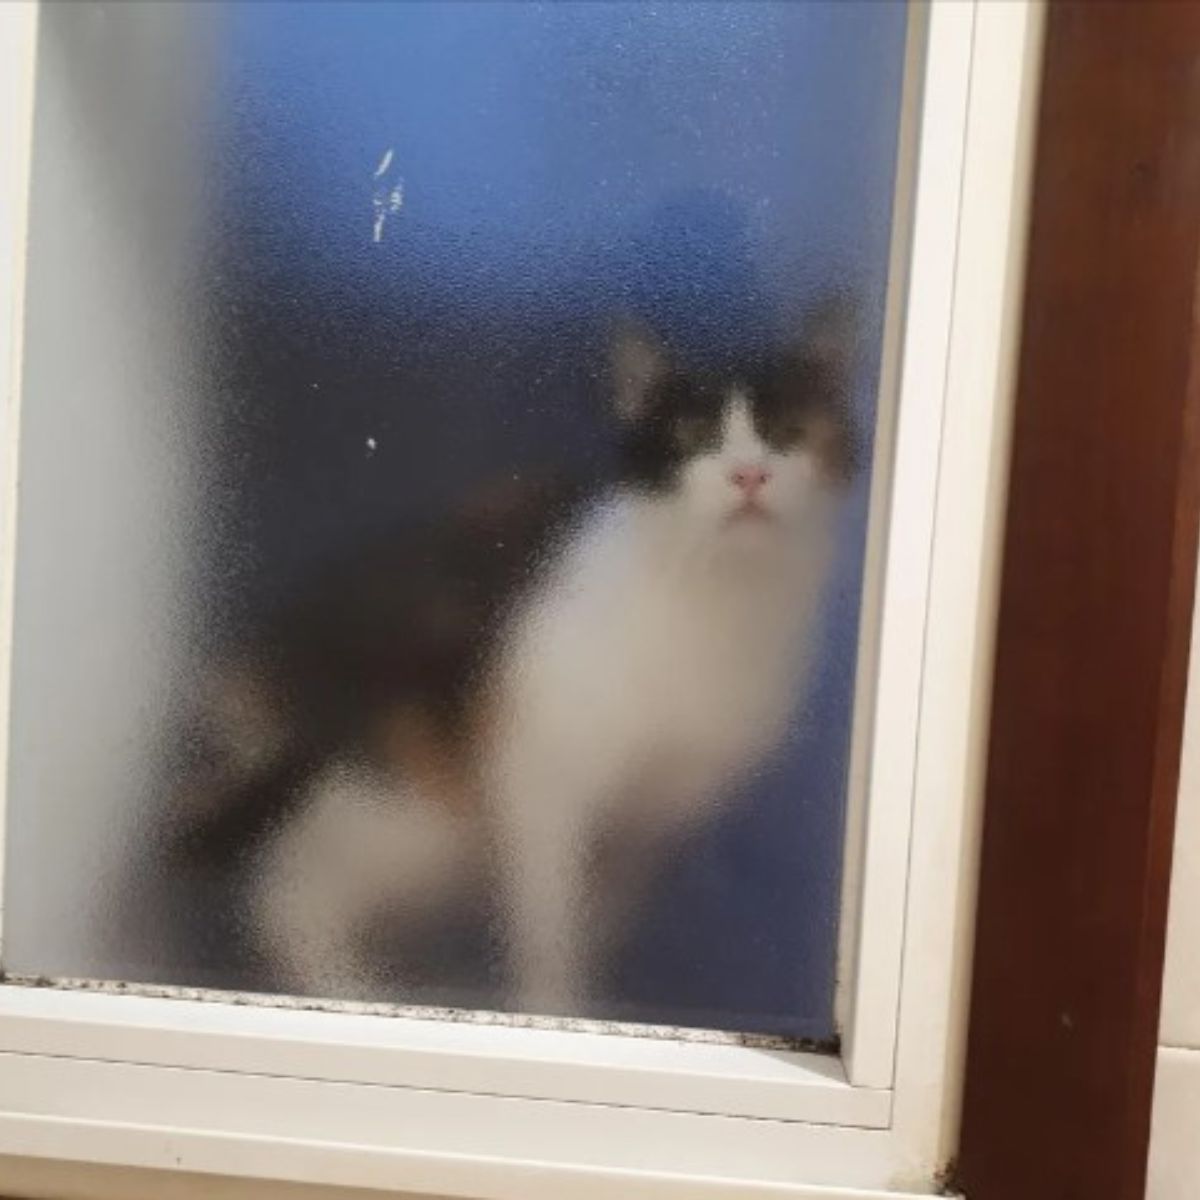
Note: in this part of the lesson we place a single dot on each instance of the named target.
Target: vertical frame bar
(18, 41)
(896, 586)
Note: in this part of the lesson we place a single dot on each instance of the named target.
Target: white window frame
(368, 1096)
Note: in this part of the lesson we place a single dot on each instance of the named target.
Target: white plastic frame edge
(57, 1089)
(881, 785)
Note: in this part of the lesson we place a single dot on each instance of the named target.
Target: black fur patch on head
(798, 397)
(682, 416)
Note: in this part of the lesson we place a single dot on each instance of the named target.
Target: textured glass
(340, 317)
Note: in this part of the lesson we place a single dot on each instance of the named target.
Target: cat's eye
(793, 430)
(693, 434)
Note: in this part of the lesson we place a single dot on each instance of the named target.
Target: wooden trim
(1095, 618)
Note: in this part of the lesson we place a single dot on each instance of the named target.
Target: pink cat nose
(748, 479)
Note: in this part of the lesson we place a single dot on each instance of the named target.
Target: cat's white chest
(658, 672)
(694, 664)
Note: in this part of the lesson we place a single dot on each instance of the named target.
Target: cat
(535, 706)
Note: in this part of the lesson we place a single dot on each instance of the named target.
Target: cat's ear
(639, 361)
(828, 340)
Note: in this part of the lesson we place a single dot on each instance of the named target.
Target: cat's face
(748, 448)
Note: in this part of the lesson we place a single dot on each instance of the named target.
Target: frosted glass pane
(443, 476)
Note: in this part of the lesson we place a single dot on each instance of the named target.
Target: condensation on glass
(443, 472)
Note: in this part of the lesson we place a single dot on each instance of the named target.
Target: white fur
(356, 846)
(657, 664)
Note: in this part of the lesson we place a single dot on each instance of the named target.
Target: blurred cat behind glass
(521, 714)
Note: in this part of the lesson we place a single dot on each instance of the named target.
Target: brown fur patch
(417, 749)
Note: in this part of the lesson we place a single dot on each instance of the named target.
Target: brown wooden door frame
(1094, 619)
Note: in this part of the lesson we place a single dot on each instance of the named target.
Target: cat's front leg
(544, 843)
